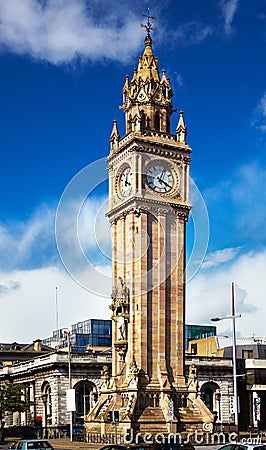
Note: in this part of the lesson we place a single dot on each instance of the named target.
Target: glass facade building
(198, 332)
(91, 332)
(98, 333)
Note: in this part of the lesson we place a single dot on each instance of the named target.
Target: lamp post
(233, 317)
(44, 399)
(67, 333)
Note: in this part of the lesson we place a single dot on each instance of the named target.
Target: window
(38, 444)
(157, 121)
(247, 354)
(143, 121)
(194, 349)
(208, 398)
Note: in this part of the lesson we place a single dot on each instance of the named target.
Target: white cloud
(243, 189)
(25, 244)
(192, 32)
(229, 8)
(60, 31)
(31, 269)
(29, 312)
(10, 286)
(31, 244)
(220, 257)
(259, 114)
(209, 294)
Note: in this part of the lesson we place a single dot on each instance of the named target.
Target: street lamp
(44, 399)
(67, 333)
(233, 317)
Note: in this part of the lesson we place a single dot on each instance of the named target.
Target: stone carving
(105, 377)
(192, 379)
(121, 328)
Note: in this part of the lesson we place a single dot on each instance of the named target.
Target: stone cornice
(138, 206)
(156, 143)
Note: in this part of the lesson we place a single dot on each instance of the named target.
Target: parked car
(166, 446)
(126, 447)
(242, 446)
(31, 444)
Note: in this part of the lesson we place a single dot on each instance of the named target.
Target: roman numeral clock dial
(160, 179)
(125, 182)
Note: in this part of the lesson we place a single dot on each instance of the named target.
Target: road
(67, 445)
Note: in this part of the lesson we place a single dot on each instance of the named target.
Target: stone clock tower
(148, 210)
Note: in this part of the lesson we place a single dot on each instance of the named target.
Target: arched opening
(167, 124)
(157, 121)
(210, 394)
(86, 396)
(207, 397)
(142, 121)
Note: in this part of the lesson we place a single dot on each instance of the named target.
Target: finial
(148, 26)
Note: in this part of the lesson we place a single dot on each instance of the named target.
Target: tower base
(144, 409)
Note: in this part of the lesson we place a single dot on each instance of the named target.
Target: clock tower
(148, 210)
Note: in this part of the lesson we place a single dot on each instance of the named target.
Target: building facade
(45, 380)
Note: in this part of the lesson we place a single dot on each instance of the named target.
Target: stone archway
(86, 396)
(211, 395)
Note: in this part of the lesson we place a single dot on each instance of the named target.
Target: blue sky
(63, 66)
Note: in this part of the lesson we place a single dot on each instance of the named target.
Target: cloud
(30, 243)
(59, 31)
(192, 32)
(178, 80)
(220, 257)
(30, 257)
(243, 188)
(5, 289)
(31, 308)
(259, 114)
(229, 8)
(209, 294)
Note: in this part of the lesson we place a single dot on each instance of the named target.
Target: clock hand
(127, 183)
(161, 175)
(166, 184)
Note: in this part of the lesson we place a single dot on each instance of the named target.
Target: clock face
(160, 179)
(125, 182)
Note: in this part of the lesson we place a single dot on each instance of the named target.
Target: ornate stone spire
(115, 136)
(181, 129)
(148, 94)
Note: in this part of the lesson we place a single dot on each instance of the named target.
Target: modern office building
(90, 333)
(193, 332)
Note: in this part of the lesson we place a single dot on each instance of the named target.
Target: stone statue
(193, 379)
(121, 327)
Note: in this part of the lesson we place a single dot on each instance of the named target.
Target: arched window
(167, 124)
(157, 121)
(208, 398)
(143, 121)
(86, 395)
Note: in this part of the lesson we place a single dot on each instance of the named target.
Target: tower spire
(147, 97)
